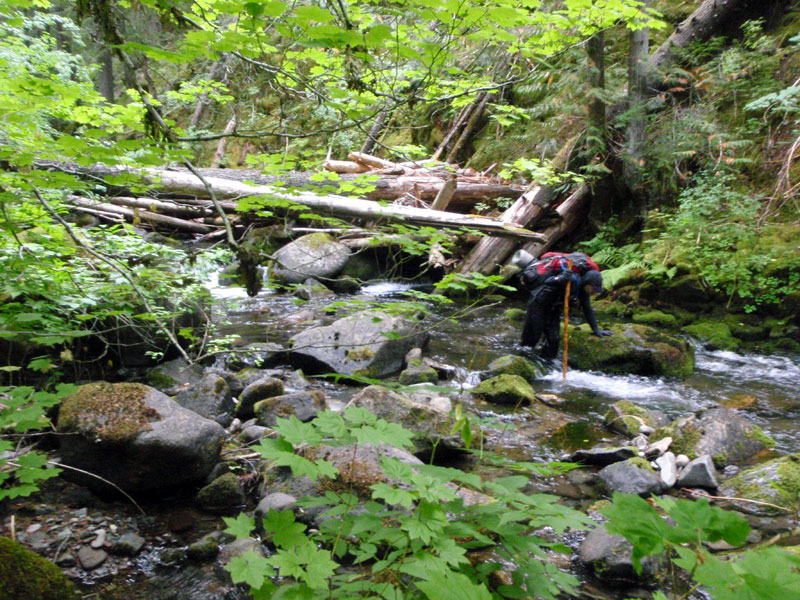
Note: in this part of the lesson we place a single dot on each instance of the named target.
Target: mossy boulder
(418, 372)
(635, 349)
(315, 255)
(135, 437)
(512, 364)
(776, 482)
(210, 398)
(303, 405)
(720, 433)
(223, 496)
(25, 574)
(655, 318)
(627, 418)
(715, 335)
(260, 389)
(505, 389)
(515, 316)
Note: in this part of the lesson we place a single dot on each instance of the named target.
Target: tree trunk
(596, 130)
(106, 82)
(180, 182)
(633, 160)
(219, 72)
(219, 154)
(472, 122)
(463, 115)
(490, 252)
(375, 131)
(709, 18)
(152, 218)
(572, 211)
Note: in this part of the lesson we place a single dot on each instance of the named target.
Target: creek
(765, 386)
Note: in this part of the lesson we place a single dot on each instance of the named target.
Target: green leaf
(250, 567)
(240, 526)
(453, 586)
(287, 533)
(296, 432)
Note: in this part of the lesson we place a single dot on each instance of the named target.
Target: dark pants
(541, 319)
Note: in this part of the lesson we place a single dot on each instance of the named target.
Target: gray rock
(658, 448)
(257, 355)
(174, 373)
(315, 255)
(312, 290)
(418, 374)
(629, 477)
(99, 540)
(177, 447)
(610, 556)
(646, 430)
(210, 398)
(774, 482)
(721, 433)
(129, 544)
(699, 473)
(627, 418)
(90, 559)
(602, 456)
(356, 344)
(303, 405)
(204, 549)
(681, 460)
(276, 501)
(253, 433)
(640, 442)
(668, 469)
(513, 364)
(263, 388)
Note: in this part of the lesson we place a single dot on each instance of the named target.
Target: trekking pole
(566, 320)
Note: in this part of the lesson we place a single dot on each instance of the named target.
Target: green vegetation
(25, 574)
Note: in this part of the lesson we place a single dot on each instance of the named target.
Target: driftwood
(491, 252)
(183, 183)
(145, 216)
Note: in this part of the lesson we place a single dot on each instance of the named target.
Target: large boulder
(304, 405)
(505, 389)
(367, 344)
(627, 418)
(611, 556)
(636, 349)
(773, 484)
(315, 255)
(721, 433)
(135, 437)
(513, 364)
(632, 476)
(431, 418)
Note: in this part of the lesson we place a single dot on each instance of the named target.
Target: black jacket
(550, 296)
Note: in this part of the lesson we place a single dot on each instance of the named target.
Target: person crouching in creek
(548, 278)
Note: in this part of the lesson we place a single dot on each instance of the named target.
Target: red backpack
(553, 263)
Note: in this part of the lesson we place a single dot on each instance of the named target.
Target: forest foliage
(305, 80)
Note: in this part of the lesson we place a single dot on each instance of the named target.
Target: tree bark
(596, 130)
(375, 131)
(219, 154)
(180, 182)
(572, 212)
(490, 252)
(638, 65)
(152, 218)
(106, 83)
(463, 115)
(445, 194)
(472, 122)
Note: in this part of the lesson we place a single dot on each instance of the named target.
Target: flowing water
(769, 387)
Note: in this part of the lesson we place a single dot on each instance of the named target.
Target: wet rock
(210, 398)
(718, 432)
(681, 460)
(315, 255)
(257, 355)
(627, 418)
(65, 560)
(224, 495)
(422, 413)
(261, 389)
(505, 389)
(418, 372)
(312, 290)
(129, 544)
(90, 559)
(172, 556)
(699, 473)
(602, 456)
(204, 549)
(658, 448)
(136, 437)
(667, 469)
(25, 574)
(369, 344)
(173, 374)
(610, 556)
(303, 405)
(776, 482)
(632, 476)
(181, 520)
(635, 349)
(512, 364)
(99, 540)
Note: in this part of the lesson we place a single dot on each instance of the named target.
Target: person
(546, 304)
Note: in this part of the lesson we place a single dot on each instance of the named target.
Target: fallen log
(330, 205)
(146, 216)
(571, 211)
(173, 209)
(471, 190)
(490, 252)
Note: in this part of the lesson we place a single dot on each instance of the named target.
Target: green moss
(505, 389)
(515, 316)
(757, 434)
(641, 463)
(160, 380)
(684, 438)
(789, 472)
(655, 318)
(626, 417)
(25, 574)
(357, 354)
(109, 412)
(515, 365)
(715, 333)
